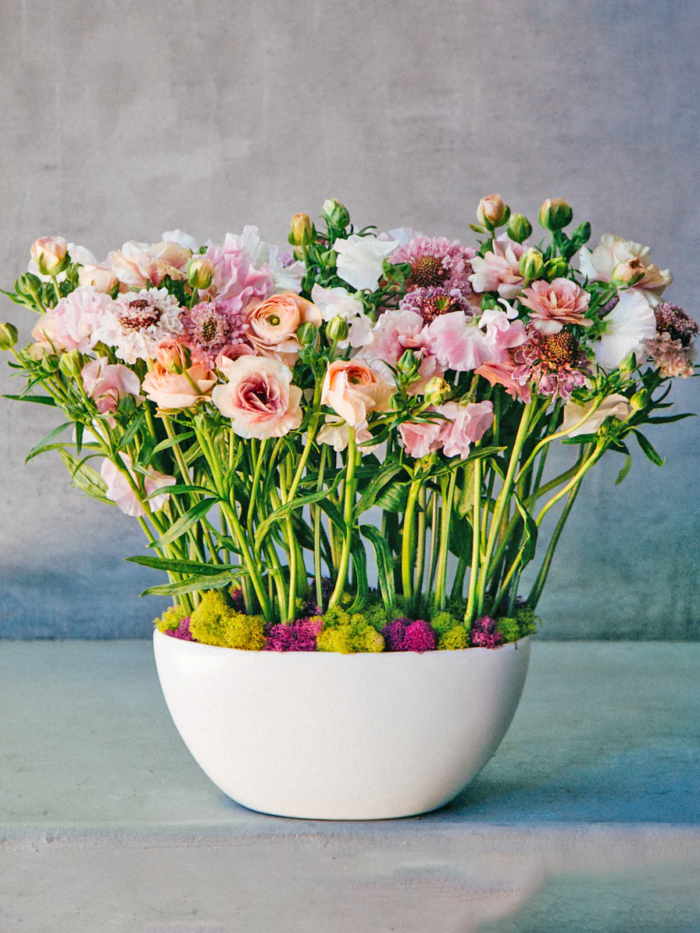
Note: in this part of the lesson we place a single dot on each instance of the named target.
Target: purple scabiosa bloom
(673, 320)
(554, 362)
(436, 262)
(419, 636)
(432, 302)
(299, 635)
(484, 633)
(182, 631)
(210, 326)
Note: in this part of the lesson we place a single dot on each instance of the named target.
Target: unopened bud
(437, 391)
(518, 228)
(582, 233)
(626, 274)
(71, 364)
(301, 230)
(531, 264)
(555, 214)
(555, 268)
(337, 329)
(329, 258)
(639, 400)
(492, 212)
(29, 284)
(306, 334)
(50, 253)
(335, 214)
(8, 336)
(408, 363)
(200, 272)
(629, 364)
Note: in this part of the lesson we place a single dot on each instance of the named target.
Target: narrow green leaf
(284, 510)
(173, 565)
(172, 441)
(359, 563)
(194, 584)
(333, 513)
(625, 469)
(385, 564)
(46, 442)
(393, 497)
(180, 489)
(379, 480)
(648, 450)
(85, 478)
(37, 399)
(530, 532)
(669, 419)
(132, 430)
(184, 523)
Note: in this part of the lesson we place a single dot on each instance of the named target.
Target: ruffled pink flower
(421, 437)
(395, 332)
(75, 321)
(353, 390)
(437, 262)
(107, 383)
(466, 424)
(209, 327)
(235, 275)
(670, 356)
(137, 268)
(119, 489)
(458, 344)
(502, 333)
(499, 270)
(259, 397)
(502, 374)
(556, 303)
(233, 352)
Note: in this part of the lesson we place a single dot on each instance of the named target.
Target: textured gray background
(122, 120)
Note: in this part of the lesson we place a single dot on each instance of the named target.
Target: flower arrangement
(251, 406)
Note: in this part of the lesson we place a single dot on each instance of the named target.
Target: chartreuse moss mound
(216, 622)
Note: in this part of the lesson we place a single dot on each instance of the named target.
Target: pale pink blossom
(421, 437)
(670, 356)
(137, 268)
(99, 275)
(49, 252)
(232, 352)
(137, 321)
(577, 419)
(353, 390)
(119, 489)
(271, 326)
(502, 333)
(556, 303)
(612, 250)
(466, 424)
(499, 270)
(502, 374)
(236, 276)
(106, 383)
(172, 390)
(457, 343)
(259, 397)
(395, 332)
(75, 322)
(335, 433)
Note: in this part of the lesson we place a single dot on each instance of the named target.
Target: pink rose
(556, 303)
(271, 326)
(499, 270)
(172, 390)
(232, 352)
(352, 390)
(48, 252)
(502, 374)
(395, 332)
(458, 344)
(468, 423)
(100, 276)
(259, 397)
(107, 383)
(119, 490)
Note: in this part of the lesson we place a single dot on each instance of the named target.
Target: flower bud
(102, 280)
(306, 334)
(531, 264)
(50, 253)
(639, 400)
(555, 214)
(337, 329)
(629, 364)
(8, 336)
(582, 233)
(492, 212)
(71, 364)
(408, 363)
(437, 391)
(335, 214)
(301, 231)
(518, 228)
(329, 258)
(555, 268)
(200, 272)
(29, 284)
(626, 274)
(173, 356)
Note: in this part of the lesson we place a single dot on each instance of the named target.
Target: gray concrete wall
(122, 120)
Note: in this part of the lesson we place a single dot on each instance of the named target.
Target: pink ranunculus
(421, 437)
(136, 268)
(232, 352)
(271, 326)
(466, 424)
(395, 332)
(499, 270)
(353, 390)
(502, 333)
(556, 303)
(171, 390)
(502, 374)
(457, 343)
(119, 489)
(106, 383)
(99, 275)
(236, 276)
(259, 397)
(73, 323)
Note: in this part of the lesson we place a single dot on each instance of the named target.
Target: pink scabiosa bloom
(119, 489)
(432, 302)
(674, 321)
(555, 363)
(75, 322)
(300, 635)
(209, 327)
(396, 331)
(556, 303)
(138, 321)
(484, 633)
(259, 397)
(107, 383)
(436, 262)
(502, 374)
(235, 274)
(499, 270)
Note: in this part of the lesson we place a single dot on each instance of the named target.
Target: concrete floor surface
(587, 818)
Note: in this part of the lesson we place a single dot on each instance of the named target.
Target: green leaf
(132, 430)
(380, 479)
(461, 538)
(79, 431)
(180, 489)
(194, 584)
(297, 503)
(530, 531)
(385, 563)
(626, 468)
(333, 513)
(359, 563)
(173, 565)
(46, 443)
(648, 450)
(184, 523)
(172, 441)
(85, 478)
(393, 498)
(669, 419)
(581, 439)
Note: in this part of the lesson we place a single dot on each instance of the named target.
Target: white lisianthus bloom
(361, 258)
(612, 250)
(285, 278)
(337, 302)
(181, 238)
(614, 406)
(77, 253)
(628, 325)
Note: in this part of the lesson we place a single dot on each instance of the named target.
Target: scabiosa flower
(670, 356)
(182, 631)
(210, 326)
(139, 321)
(436, 262)
(432, 302)
(300, 635)
(554, 362)
(484, 633)
(674, 321)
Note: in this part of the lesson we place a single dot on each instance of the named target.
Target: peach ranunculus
(259, 397)
(107, 383)
(499, 270)
(272, 324)
(136, 267)
(172, 390)
(119, 489)
(556, 303)
(353, 390)
(48, 252)
(612, 250)
(99, 275)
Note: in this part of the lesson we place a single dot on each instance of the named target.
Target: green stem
(349, 497)
(476, 545)
(317, 532)
(539, 583)
(448, 490)
(420, 553)
(592, 460)
(408, 539)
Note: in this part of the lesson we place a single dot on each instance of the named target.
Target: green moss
(509, 628)
(350, 637)
(376, 616)
(216, 622)
(454, 639)
(528, 621)
(334, 617)
(442, 622)
(170, 619)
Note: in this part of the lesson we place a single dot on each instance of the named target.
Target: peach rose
(259, 397)
(99, 276)
(48, 252)
(171, 390)
(353, 390)
(271, 326)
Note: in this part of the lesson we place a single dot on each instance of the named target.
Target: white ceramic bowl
(341, 737)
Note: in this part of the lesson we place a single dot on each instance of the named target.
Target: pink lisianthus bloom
(119, 489)
(397, 331)
(502, 374)
(259, 397)
(460, 427)
(271, 326)
(172, 390)
(499, 270)
(107, 383)
(136, 266)
(75, 321)
(556, 303)
(457, 343)
(235, 275)
(353, 390)
(436, 262)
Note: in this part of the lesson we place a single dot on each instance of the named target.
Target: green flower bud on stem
(555, 214)
(200, 272)
(531, 264)
(337, 329)
(518, 227)
(437, 391)
(555, 268)
(639, 400)
(492, 212)
(71, 364)
(408, 363)
(301, 232)
(306, 334)
(8, 336)
(335, 214)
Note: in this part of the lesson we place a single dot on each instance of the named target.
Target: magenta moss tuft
(484, 633)
(300, 635)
